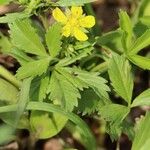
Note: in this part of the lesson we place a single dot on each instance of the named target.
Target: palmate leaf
(53, 39)
(24, 37)
(121, 78)
(73, 2)
(33, 68)
(63, 92)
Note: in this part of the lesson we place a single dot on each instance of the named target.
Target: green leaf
(12, 17)
(4, 2)
(111, 41)
(139, 29)
(72, 78)
(116, 112)
(142, 99)
(23, 99)
(8, 92)
(140, 61)
(21, 56)
(142, 136)
(63, 92)
(5, 45)
(97, 83)
(145, 20)
(70, 60)
(24, 37)
(142, 10)
(47, 126)
(43, 87)
(7, 134)
(40, 106)
(140, 43)
(33, 68)
(121, 78)
(53, 39)
(126, 26)
(73, 2)
(89, 102)
(87, 135)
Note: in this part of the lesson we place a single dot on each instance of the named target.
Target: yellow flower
(74, 22)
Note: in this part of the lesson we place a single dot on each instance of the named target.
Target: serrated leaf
(142, 99)
(8, 92)
(114, 112)
(48, 126)
(121, 78)
(111, 41)
(71, 77)
(63, 92)
(73, 2)
(114, 115)
(97, 83)
(140, 61)
(140, 43)
(24, 37)
(53, 39)
(126, 26)
(142, 134)
(33, 68)
(11, 17)
(89, 102)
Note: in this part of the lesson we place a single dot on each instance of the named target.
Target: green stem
(8, 76)
(103, 67)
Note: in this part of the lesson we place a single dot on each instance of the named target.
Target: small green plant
(63, 74)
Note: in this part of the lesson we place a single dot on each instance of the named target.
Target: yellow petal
(59, 16)
(87, 22)
(66, 31)
(76, 11)
(79, 35)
